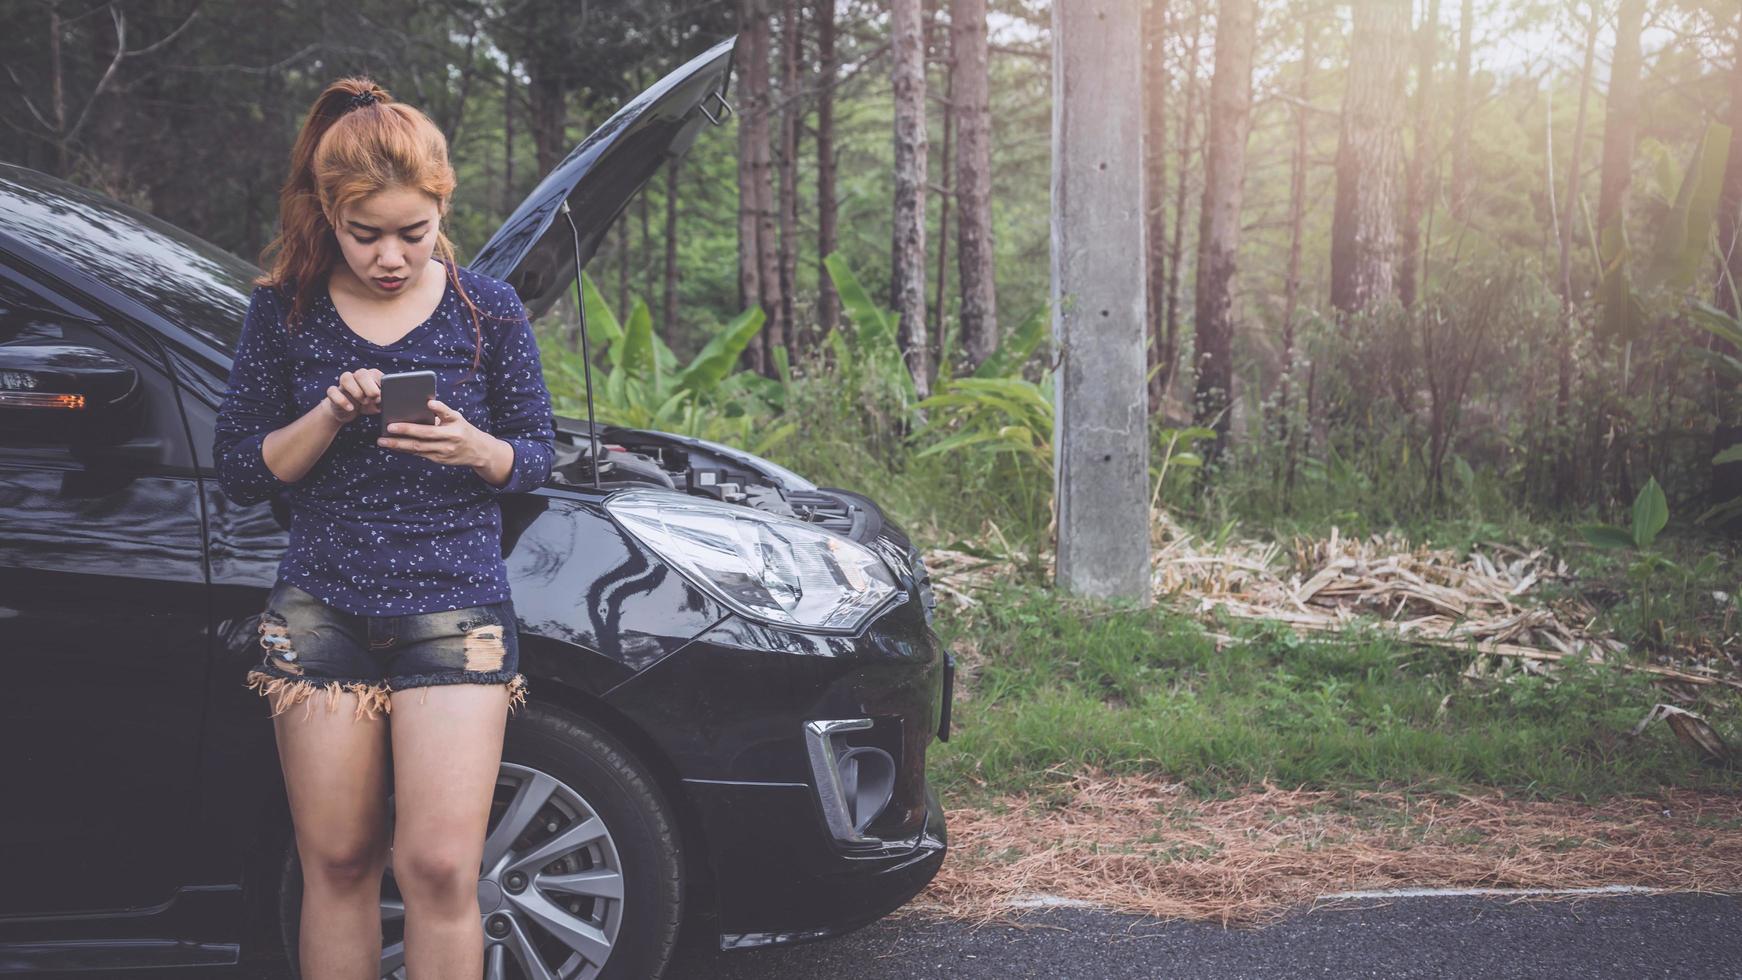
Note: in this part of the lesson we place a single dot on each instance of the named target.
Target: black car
(734, 673)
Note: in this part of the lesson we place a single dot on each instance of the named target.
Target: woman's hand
(357, 393)
(451, 440)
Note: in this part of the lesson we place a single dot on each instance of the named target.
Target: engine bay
(640, 457)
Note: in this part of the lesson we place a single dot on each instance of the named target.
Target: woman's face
(387, 239)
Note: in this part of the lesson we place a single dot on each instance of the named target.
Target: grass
(1056, 686)
(1060, 686)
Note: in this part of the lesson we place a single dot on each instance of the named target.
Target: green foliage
(639, 385)
(1174, 452)
(718, 356)
(1003, 427)
(874, 345)
(997, 414)
(1680, 596)
(1728, 330)
(1682, 241)
(1650, 514)
(1064, 684)
(1401, 435)
(1014, 352)
(1685, 232)
(1666, 603)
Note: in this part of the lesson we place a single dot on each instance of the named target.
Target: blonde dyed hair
(344, 153)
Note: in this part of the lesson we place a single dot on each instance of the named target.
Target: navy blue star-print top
(377, 531)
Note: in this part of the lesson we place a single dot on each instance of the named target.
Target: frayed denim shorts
(311, 647)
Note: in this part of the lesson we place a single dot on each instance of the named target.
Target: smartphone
(405, 397)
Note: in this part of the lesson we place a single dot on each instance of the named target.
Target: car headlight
(766, 566)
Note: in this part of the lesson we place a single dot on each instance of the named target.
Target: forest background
(1458, 273)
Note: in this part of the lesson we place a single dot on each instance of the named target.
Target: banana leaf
(1017, 348)
(603, 330)
(718, 356)
(637, 355)
(1686, 232)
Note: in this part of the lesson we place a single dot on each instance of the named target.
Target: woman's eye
(412, 240)
(364, 241)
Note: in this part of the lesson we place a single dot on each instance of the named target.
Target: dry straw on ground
(1489, 601)
(1141, 845)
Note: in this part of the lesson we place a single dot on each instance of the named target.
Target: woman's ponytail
(304, 249)
(355, 141)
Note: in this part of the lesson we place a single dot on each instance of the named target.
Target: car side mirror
(62, 392)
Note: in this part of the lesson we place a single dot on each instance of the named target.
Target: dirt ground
(1145, 846)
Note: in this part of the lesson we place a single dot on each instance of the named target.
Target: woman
(392, 597)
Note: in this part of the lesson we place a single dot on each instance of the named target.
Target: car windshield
(186, 279)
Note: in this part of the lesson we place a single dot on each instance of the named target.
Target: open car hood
(534, 249)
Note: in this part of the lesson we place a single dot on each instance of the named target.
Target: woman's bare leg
(447, 747)
(335, 773)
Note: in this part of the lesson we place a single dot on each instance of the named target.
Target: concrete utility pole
(1100, 436)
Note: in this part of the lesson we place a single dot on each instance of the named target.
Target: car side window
(26, 315)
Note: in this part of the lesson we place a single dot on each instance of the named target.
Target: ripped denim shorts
(310, 646)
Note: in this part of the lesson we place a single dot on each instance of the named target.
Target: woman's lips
(389, 282)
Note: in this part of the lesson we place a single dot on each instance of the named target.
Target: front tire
(582, 876)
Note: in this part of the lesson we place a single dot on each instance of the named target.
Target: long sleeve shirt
(377, 531)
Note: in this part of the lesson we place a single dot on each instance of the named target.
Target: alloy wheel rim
(550, 885)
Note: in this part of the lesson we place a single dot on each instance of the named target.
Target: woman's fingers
(363, 388)
(343, 407)
(443, 412)
(354, 386)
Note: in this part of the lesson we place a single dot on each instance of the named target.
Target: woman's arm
(520, 412)
(257, 403)
(295, 449)
(498, 466)
(290, 452)
(261, 444)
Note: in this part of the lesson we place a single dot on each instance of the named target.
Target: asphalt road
(1682, 936)
(1630, 937)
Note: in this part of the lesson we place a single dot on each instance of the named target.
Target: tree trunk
(1186, 151)
(1418, 194)
(1155, 82)
(509, 199)
(1461, 115)
(974, 242)
(945, 199)
(1567, 210)
(57, 90)
(752, 132)
(1369, 149)
(1565, 217)
(907, 252)
(1729, 291)
(767, 216)
(1219, 215)
(828, 302)
(1100, 437)
(550, 109)
(1726, 482)
(792, 112)
(1296, 225)
(1622, 119)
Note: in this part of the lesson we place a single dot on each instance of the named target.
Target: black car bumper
(762, 727)
(783, 879)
